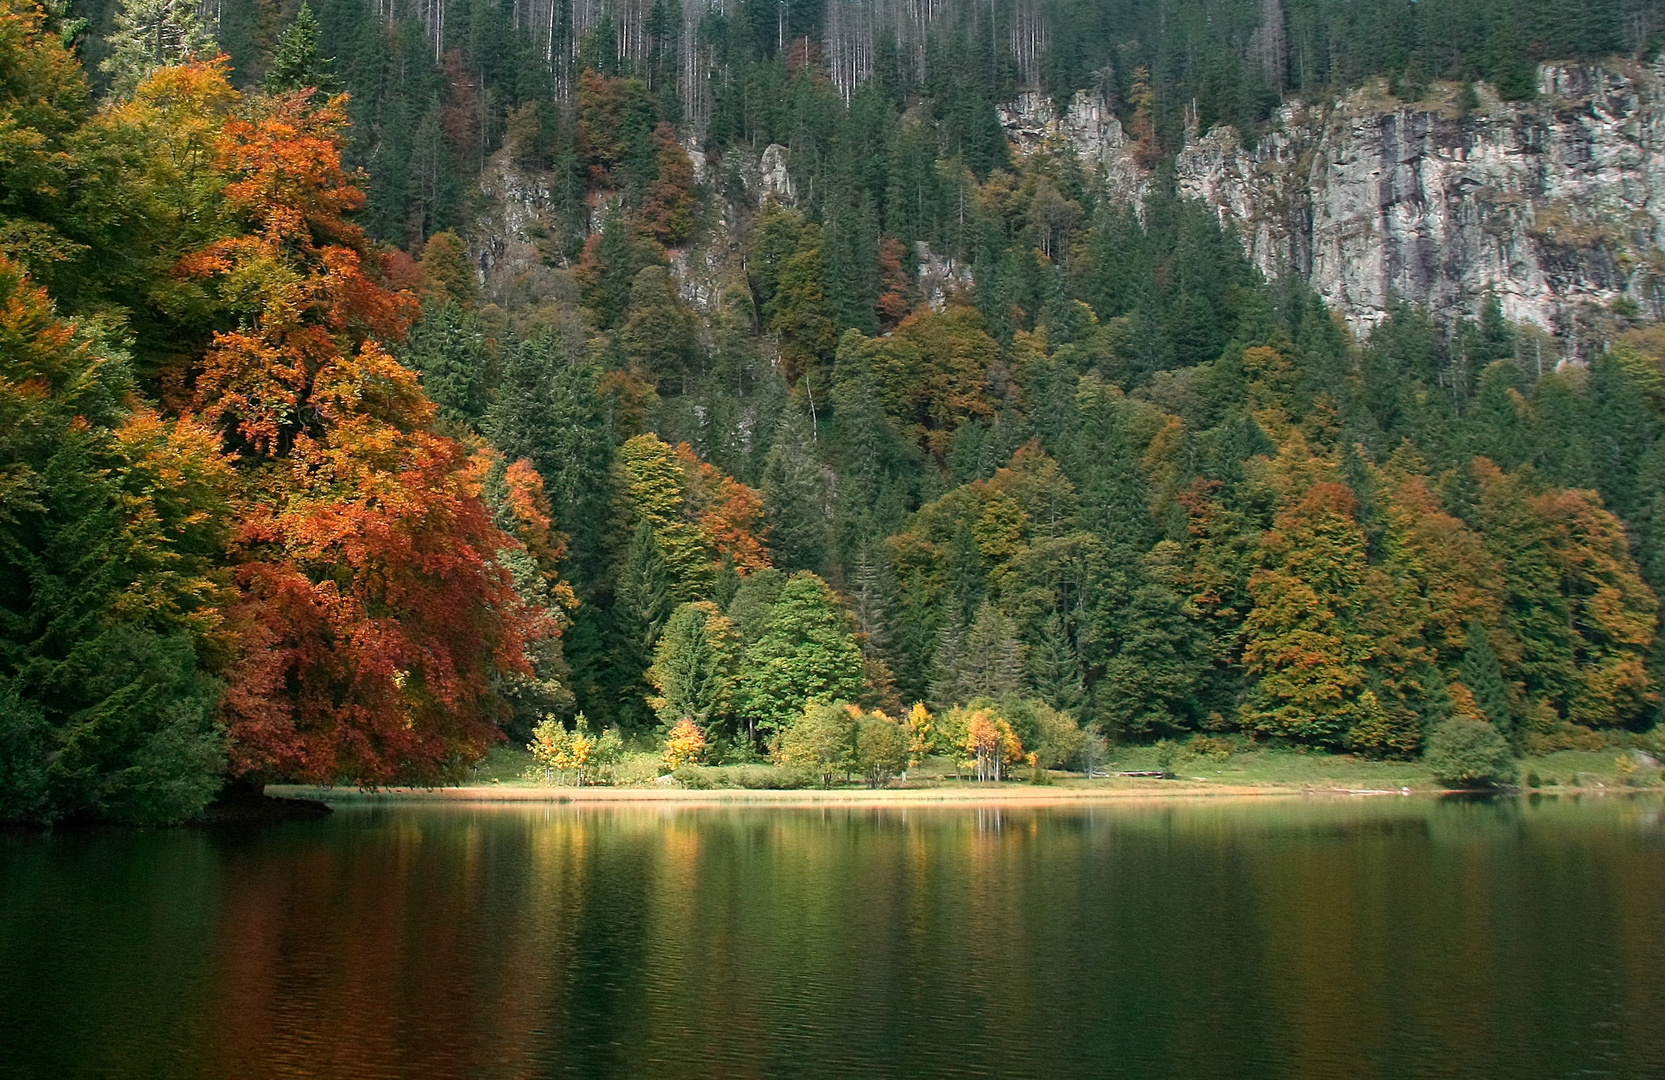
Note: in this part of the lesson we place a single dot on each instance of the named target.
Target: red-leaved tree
(375, 617)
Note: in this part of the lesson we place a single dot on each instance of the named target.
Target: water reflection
(1391, 938)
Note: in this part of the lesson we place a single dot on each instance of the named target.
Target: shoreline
(1002, 795)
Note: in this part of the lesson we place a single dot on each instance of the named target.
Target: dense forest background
(290, 490)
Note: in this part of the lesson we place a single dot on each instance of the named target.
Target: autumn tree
(43, 100)
(685, 744)
(1315, 624)
(821, 741)
(658, 333)
(728, 514)
(667, 213)
(986, 737)
(1572, 598)
(921, 732)
(556, 748)
(448, 277)
(373, 615)
(881, 748)
(515, 496)
(653, 480)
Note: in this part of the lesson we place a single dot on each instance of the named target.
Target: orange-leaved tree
(729, 514)
(376, 615)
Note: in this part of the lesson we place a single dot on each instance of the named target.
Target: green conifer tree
(1483, 676)
(695, 666)
(794, 497)
(449, 348)
(151, 34)
(298, 65)
(549, 411)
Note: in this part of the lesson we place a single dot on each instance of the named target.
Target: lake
(1389, 937)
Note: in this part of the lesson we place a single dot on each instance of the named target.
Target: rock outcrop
(1089, 128)
(1556, 205)
(509, 237)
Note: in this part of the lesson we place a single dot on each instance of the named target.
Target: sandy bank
(1004, 794)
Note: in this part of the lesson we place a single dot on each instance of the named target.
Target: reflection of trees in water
(1284, 938)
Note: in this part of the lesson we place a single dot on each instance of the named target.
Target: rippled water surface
(1290, 939)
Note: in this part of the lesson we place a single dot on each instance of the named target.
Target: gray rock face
(1556, 205)
(1089, 128)
(773, 177)
(515, 212)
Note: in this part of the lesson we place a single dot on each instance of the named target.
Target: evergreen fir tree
(1483, 676)
(1055, 666)
(794, 497)
(449, 348)
(152, 34)
(549, 410)
(643, 595)
(695, 666)
(298, 65)
(992, 659)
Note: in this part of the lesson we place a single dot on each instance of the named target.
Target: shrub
(637, 768)
(695, 777)
(821, 742)
(1469, 753)
(685, 745)
(765, 777)
(881, 748)
(1060, 740)
(1169, 755)
(1212, 747)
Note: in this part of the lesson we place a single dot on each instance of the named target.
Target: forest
(290, 491)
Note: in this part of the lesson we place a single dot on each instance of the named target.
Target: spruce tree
(152, 34)
(794, 497)
(1055, 666)
(993, 660)
(449, 348)
(1483, 676)
(643, 596)
(695, 666)
(298, 65)
(549, 411)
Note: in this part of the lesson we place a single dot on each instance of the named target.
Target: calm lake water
(1289, 939)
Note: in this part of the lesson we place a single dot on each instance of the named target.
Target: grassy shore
(506, 776)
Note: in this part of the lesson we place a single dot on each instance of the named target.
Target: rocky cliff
(1557, 204)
